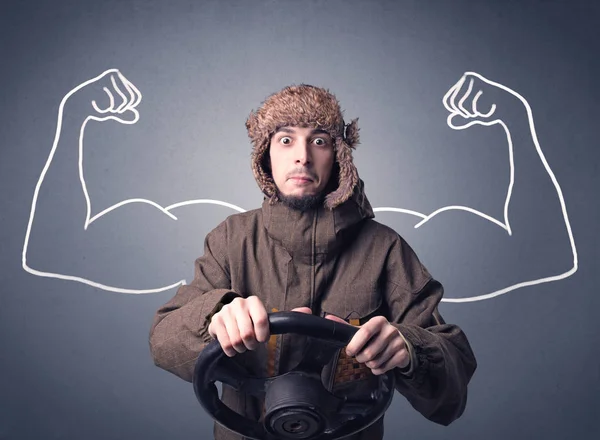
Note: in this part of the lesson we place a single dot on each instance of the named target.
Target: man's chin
(301, 202)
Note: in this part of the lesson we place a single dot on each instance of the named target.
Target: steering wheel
(297, 404)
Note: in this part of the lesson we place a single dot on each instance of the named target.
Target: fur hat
(304, 106)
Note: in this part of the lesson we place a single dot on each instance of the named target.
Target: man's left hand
(378, 345)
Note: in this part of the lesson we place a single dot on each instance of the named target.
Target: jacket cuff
(413, 360)
(225, 299)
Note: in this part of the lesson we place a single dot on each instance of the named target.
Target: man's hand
(242, 324)
(378, 345)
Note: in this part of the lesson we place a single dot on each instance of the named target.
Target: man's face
(301, 160)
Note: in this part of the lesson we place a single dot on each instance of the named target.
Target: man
(314, 247)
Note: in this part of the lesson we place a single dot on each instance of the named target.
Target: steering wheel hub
(294, 423)
(292, 406)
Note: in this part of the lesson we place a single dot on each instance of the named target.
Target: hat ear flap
(263, 177)
(348, 175)
(260, 140)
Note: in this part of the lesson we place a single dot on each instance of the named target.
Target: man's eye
(320, 142)
(286, 140)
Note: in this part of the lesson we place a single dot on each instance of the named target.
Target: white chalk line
(130, 104)
(448, 101)
(459, 110)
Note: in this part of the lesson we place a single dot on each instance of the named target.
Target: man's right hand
(242, 324)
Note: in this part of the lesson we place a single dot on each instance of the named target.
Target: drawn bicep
(137, 247)
(475, 258)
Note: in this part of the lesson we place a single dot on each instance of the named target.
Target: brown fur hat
(304, 106)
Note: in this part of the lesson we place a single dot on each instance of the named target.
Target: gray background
(74, 359)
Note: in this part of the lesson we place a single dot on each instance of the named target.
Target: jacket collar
(316, 231)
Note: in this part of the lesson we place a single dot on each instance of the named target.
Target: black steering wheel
(297, 404)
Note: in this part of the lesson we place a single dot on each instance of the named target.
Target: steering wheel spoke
(229, 372)
(317, 353)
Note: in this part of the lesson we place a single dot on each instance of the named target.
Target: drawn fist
(111, 95)
(465, 103)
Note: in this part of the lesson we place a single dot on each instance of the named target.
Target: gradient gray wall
(74, 358)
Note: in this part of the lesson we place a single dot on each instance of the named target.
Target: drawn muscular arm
(532, 242)
(122, 248)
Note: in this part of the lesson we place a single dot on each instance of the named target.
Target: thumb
(335, 318)
(129, 116)
(303, 310)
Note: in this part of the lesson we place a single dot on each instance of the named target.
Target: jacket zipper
(336, 356)
(279, 346)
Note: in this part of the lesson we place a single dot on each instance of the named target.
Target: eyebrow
(292, 131)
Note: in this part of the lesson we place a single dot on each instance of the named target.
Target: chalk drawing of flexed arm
(62, 215)
(534, 199)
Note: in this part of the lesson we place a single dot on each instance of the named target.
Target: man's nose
(302, 153)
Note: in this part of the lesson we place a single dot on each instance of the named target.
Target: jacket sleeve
(179, 329)
(445, 363)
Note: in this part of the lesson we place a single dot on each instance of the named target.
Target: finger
(132, 116)
(365, 333)
(374, 347)
(98, 109)
(234, 333)
(461, 124)
(132, 97)
(454, 97)
(358, 341)
(259, 317)
(111, 104)
(223, 337)
(392, 343)
(306, 310)
(128, 101)
(477, 112)
(446, 98)
(120, 93)
(136, 91)
(450, 97)
(384, 356)
(246, 329)
(398, 359)
(211, 329)
(474, 103)
(464, 98)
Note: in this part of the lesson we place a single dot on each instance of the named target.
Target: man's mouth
(301, 178)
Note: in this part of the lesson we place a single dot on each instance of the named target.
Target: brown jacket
(336, 261)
